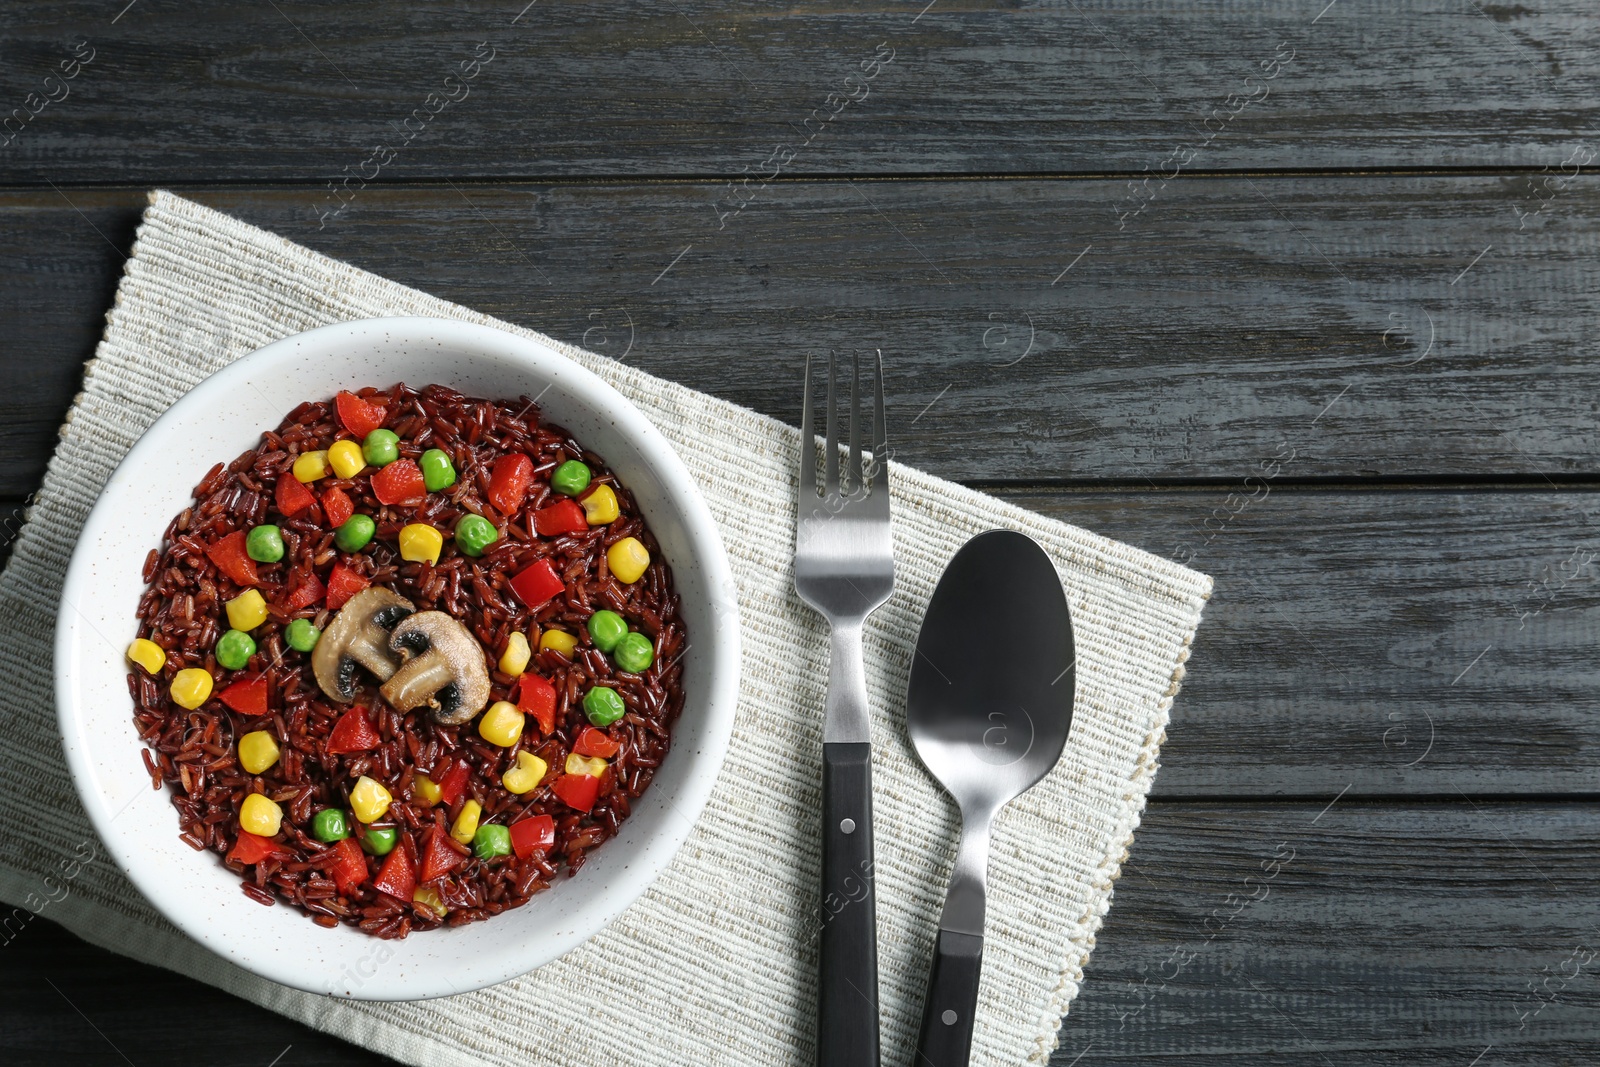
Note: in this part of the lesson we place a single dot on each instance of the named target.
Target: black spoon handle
(946, 1037)
(847, 1008)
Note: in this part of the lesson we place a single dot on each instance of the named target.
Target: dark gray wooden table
(1303, 292)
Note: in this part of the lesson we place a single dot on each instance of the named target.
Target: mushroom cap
(442, 666)
(358, 636)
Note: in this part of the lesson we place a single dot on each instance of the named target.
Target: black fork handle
(847, 1003)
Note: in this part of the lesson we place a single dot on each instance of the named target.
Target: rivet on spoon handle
(952, 1001)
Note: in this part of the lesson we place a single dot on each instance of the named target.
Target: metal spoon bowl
(989, 708)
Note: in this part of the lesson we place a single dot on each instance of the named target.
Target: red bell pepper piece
(537, 583)
(292, 496)
(247, 696)
(592, 742)
(343, 583)
(304, 589)
(578, 791)
(353, 732)
(398, 875)
(349, 866)
(336, 504)
(537, 697)
(439, 855)
(508, 482)
(250, 848)
(231, 559)
(453, 782)
(537, 833)
(562, 517)
(400, 482)
(360, 417)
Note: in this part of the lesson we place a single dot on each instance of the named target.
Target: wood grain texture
(1398, 326)
(295, 89)
(1388, 642)
(1346, 935)
(66, 1001)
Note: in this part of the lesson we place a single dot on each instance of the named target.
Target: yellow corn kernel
(559, 640)
(148, 655)
(501, 724)
(526, 775)
(514, 660)
(425, 789)
(600, 506)
(310, 466)
(247, 610)
(191, 687)
(628, 559)
(420, 543)
(593, 766)
(346, 459)
(257, 751)
(429, 898)
(369, 799)
(466, 826)
(260, 816)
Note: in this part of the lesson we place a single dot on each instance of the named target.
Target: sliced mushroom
(358, 636)
(442, 667)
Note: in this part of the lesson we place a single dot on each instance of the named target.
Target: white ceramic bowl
(222, 417)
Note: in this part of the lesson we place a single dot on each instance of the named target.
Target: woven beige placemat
(714, 965)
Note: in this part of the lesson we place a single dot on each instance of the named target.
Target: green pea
(264, 544)
(381, 448)
(437, 470)
(606, 628)
(474, 533)
(330, 825)
(355, 533)
(491, 840)
(234, 649)
(379, 840)
(301, 635)
(603, 705)
(571, 478)
(635, 653)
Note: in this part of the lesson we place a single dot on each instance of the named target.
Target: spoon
(989, 708)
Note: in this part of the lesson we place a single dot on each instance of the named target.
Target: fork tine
(858, 484)
(831, 455)
(808, 441)
(880, 434)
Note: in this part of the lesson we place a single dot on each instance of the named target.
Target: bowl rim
(720, 698)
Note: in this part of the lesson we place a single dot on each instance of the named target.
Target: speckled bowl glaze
(222, 417)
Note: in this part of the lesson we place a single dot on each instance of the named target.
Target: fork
(844, 568)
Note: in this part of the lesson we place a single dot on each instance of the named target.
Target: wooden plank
(55, 304)
(1399, 326)
(1384, 642)
(1374, 934)
(1361, 934)
(300, 90)
(66, 1001)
